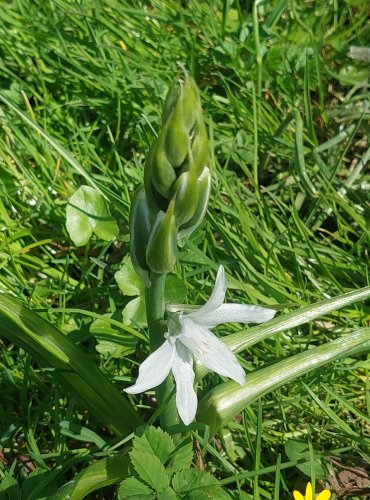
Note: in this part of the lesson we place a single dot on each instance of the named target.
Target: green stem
(155, 309)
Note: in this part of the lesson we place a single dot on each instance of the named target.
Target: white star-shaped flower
(188, 337)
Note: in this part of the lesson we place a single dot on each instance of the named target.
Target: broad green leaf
(225, 401)
(112, 341)
(297, 450)
(155, 441)
(105, 472)
(128, 281)
(175, 290)
(88, 213)
(167, 494)
(135, 312)
(195, 484)
(150, 469)
(70, 365)
(134, 489)
(181, 458)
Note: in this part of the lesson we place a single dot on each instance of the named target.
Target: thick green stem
(155, 309)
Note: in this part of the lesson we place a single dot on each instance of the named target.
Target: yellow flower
(324, 495)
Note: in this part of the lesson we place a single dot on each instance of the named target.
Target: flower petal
(297, 495)
(211, 351)
(186, 398)
(235, 313)
(217, 296)
(308, 495)
(324, 495)
(154, 369)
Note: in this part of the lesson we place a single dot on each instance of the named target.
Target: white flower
(188, 337)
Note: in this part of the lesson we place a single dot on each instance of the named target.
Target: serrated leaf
(168, 494)
(196, 484)
(150, 469)
(181, 458)
(88, 213)
(156, 442)
(296, 450)
(134, 489)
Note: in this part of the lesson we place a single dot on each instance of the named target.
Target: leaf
(181, 458)
(297, 450)
(134, 489)
(112, 341)
(196, 484)
(105, 472)
(128, 281)
(250, 336)
(135, 312)
(225, 401)
(88, 213)
(167, 494)
(175, 290)
(156, 442)
(71, 366)
(80, 433)
(131, 284)
(150, 469)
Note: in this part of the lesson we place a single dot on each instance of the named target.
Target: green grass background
(285, 90)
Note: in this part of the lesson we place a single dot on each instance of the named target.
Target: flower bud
(176, 178)
(162, 246)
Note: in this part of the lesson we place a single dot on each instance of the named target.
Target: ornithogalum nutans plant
(170, 205)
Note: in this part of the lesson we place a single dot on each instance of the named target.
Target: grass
(288, 113)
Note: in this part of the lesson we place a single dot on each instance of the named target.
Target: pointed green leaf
(134, 489)
(195, 484)
(181, 458)
(167, 494)
(150, 469)
(155, 441)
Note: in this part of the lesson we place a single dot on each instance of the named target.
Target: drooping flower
(188, 338)
(324, 495)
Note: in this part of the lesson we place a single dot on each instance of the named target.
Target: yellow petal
(324, 495)
(297, 495)
(308, 492)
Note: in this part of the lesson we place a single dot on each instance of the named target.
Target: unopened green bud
(162, 246)
(177, 178)
(204, 189)
(140, 228)
(185, 197)
(163, 175)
